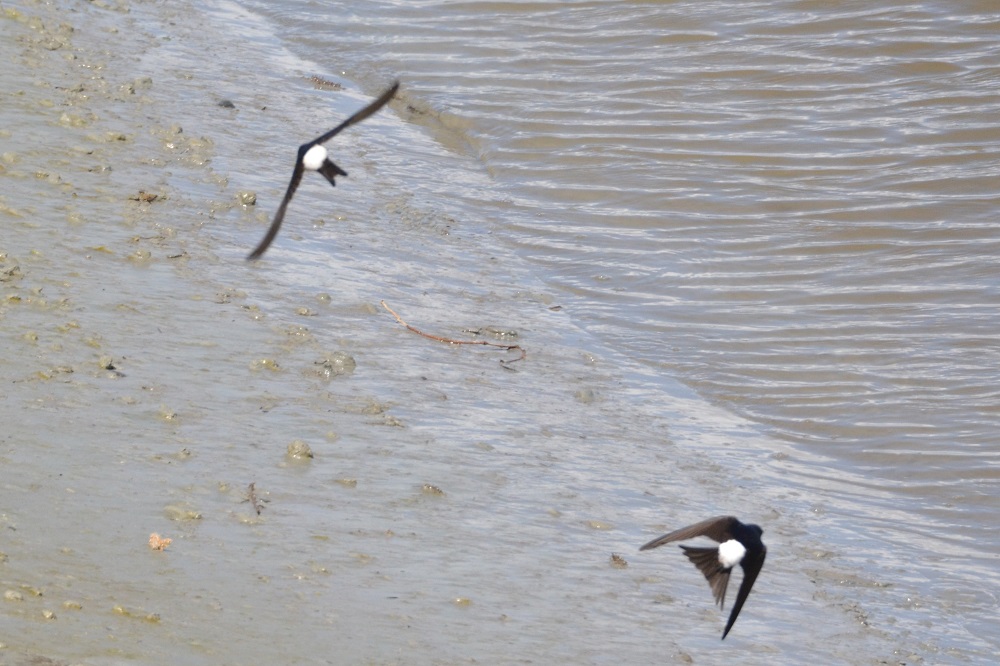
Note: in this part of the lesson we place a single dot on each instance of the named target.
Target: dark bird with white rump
(738, 544)
(314, 157)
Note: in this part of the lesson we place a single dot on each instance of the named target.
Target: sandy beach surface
(336, 488)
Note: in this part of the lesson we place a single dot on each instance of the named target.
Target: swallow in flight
(314, 157)
(738, 544)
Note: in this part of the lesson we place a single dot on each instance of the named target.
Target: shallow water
(456, 510)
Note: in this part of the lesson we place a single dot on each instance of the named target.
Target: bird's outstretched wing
(279, 216)
(382, 100)
(718, 529)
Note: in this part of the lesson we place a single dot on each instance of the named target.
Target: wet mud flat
(335, 487)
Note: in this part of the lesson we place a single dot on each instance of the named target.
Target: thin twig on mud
(503, 362)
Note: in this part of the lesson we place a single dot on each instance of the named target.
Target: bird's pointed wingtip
(729, 626)
(392, 90)
(256, 254)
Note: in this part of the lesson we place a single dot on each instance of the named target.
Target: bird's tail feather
(330, 171)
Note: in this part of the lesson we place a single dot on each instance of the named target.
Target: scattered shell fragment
(298, 333)
(430, 489)
(180, 512)
(363, 558)
(11, 274)
(118, 609)
(324, 84)
(73, 120)
(462, 601)
(13, 595)
(144, 196)
(48, 615)
(156, 542)
(247, 198)
(336, 364)
(70, 604)
(392, 421)
(618, 562)
(140, 256)
(254, 311)
(599, 525)
(299, 451)
(373, 407)
(265, 364)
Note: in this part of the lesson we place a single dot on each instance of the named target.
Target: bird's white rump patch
(314, 157)
(731, 553)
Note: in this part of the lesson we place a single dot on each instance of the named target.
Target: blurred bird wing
(718, 529)
(360, 115)
(293, 184)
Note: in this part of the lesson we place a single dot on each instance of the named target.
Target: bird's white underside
(314, 157)
(731, 553)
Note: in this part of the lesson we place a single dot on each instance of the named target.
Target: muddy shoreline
(151, 375)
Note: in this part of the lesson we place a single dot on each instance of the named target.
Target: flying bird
(738, 544)
(314, 157)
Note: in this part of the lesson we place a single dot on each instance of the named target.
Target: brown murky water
(454, 510)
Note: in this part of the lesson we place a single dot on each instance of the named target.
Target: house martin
(314, 157)
(738, 544)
